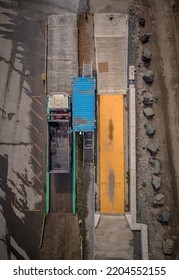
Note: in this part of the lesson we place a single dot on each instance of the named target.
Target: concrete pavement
(21, 133)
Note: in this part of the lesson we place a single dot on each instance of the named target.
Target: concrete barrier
(131, 217)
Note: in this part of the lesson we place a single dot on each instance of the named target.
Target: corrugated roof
(83, 104)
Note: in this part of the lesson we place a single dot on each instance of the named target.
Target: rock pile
(168, 246)
(142, 21)
(156, 182)
(155, 163)
(148, 113)
(159, 199)
(148, 77)
(150, 130)
(164, 216)
(148, 99)
(145, 38)
(146, 56)
(153, 148)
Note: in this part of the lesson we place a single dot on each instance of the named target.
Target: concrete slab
(62, 59)
(114, 238)
(111, 32)
(21, 159)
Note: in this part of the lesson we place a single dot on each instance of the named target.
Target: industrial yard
(89, 130)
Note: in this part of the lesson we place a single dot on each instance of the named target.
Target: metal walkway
(88, 148)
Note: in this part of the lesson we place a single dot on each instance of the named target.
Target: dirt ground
(86, 50)
(164, 64)
(86, 54)
(63, 231)
(108, 6)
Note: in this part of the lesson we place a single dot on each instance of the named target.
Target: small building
(83, 104)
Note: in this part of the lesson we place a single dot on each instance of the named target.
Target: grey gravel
(145, 38)
(142, 22)
(168, 246)
(164, 216)
(149, 77)
(153, 148)
(155, 163)
(148, 112)
(159, 199)
(146, 55)
(148, 99)
(156, 182)
(150, 130)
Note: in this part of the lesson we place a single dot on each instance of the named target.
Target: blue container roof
(83, 104)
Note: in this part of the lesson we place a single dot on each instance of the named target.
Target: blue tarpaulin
(83, 104)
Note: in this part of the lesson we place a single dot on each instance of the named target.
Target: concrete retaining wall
(131, 217)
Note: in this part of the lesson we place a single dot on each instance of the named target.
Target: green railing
(74, 175)
(47, 208)
(42, 230)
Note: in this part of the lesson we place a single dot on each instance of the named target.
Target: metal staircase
(87, 70)
(88, 148)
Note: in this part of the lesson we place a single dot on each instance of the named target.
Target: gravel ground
(86, 40)
(87, 55)
(147, 213)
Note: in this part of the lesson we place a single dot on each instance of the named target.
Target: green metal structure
(47, 205)
(74, 174)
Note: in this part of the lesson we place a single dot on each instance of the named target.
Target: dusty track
(167, 34)
(167, 37)
(61, 193)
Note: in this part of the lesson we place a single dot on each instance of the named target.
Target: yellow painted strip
(25, 197)
(33, 111)
(36, 114)
(25, 210)
(111, 153)
(32, 172)
(15, 204)
(36, 146)
(33, 126)
(23, 178)
(43, 76)
(34, 158)
(36, 129)
(35, 98)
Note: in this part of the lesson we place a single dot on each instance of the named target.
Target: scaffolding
(87, 70)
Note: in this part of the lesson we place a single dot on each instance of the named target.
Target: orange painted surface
(111, 154)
